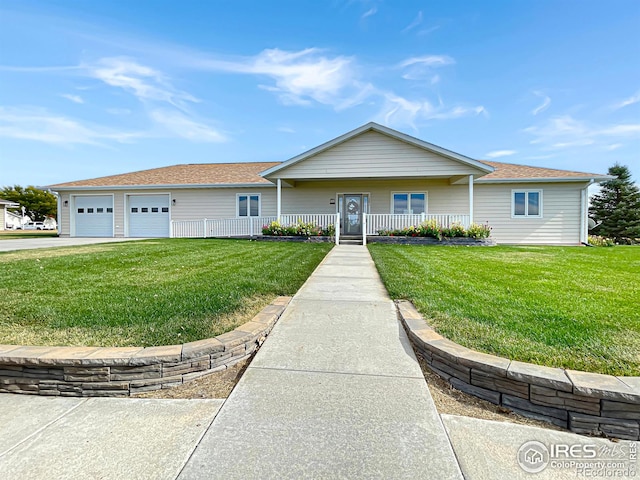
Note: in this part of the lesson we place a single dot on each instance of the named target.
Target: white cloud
(182, 126)
(39, 125)
(414, 23)
(399, 111)
(418, 68)
(286, 130)
(565, 132)
(299, 77)
(613, 146)
(73, 98)
(628, 101)
(143, 82)
(546, 101)
(435, 79)
(500, 153)
(369, 13)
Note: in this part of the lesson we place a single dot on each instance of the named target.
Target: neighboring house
(395, 178)
(6, 220)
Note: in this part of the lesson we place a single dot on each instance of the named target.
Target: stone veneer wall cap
(602, 386)
(632, 382)
(540, 375)
(199, 348)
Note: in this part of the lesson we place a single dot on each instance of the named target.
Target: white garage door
(148, 215)
(93, 216)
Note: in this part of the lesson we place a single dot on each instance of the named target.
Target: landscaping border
(402, 240)
(586, 403)
(123, 371)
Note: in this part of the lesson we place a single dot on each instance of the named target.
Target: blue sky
(92, 88)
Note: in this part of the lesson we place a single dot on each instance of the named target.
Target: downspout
(470, 200)
(584, 214)
(58, 210)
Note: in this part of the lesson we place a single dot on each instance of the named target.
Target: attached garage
(93, 215)
(148, 215)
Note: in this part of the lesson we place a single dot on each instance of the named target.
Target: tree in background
(616, 208)
(38, 203)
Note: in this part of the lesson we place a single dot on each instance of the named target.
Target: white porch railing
(384, 221)
(252, 226)
(241, 227)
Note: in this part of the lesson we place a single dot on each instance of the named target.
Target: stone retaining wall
(122, 371)
(586, 403)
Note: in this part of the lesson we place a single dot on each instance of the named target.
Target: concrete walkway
(335, 392)
(52, 242)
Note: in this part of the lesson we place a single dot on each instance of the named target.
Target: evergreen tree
(616, 208)
(38, 203)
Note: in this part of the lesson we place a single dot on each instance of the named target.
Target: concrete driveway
(52, 242)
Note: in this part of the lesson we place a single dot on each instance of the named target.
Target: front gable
(374, 151)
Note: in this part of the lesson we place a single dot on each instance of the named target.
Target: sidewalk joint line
(336, 373)
(59, 417)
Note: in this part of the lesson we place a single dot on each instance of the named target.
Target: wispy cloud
(178, 124)
(72, 98)
(42, 126)
(565, 132)
(140, 80)
(418, 68)
(546, 101)
(613, 146)
(414, 23)
(500, 153)
(299, 77)
(400, 111)
(369, 13)
(628, 101)
(286, 130)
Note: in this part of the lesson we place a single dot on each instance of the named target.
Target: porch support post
(279, 199)
(470, 199)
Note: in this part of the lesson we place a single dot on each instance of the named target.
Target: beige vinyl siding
(374, 155)
(214, 203)
(560, 222)
(314, 197)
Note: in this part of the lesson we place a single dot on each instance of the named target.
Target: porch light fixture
(173, 201)
(332, 201)
(66, 203)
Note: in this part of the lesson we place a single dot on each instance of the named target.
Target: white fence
(241, 227)
(252, 226)
(383, 221)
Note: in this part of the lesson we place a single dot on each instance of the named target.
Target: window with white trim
(526, 203)
(408, 202)
(248, 205)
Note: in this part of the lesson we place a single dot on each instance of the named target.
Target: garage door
(93, 216)
(148, 215)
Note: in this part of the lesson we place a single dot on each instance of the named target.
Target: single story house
(372, 177)
(6, 222)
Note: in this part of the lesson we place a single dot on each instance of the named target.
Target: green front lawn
(155, 292)
(568, 307)
(18, 234)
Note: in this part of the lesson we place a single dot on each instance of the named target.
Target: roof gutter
(545, 179)
(160, 187)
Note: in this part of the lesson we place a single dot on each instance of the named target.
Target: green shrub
(478, 231)
(300, 229)
(455, 230)
(432, 229)
(597, 241)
